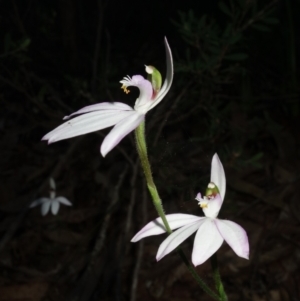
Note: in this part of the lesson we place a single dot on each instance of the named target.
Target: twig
(40, 105)
(132, 198)
(124, 241)
(169, 112)
(88, 281)
(102, 234)
(19, 21)
(140, 251)
(97, 47)
(259, 15)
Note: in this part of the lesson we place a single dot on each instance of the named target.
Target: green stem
(217, 278)
(142, 151)
(200, 282)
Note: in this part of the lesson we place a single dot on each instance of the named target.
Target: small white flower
(123, 117)
(52, 202)
(211, 231)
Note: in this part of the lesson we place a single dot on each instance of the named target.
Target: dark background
(235, 92)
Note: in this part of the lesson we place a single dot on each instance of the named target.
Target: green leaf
(7, 43)
(202, 21)
(261, 27)
(255, 158)
(234, 39)
(228, 31)
(236, 56)
(225, 9)
(25, 43)
(271, 20)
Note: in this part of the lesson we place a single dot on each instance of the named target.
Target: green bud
(154, 77)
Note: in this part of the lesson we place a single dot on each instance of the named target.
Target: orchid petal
(217, 175)
(52, 183)
(45, 207)
(120, 130)
(86, 123)
(157, 227)
(235, 236)
(207, 241)
(176, 238)
(63, 200)
(54, 207)
(199, 197)
(102, 106)
(169, 77)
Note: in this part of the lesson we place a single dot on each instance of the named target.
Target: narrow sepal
(157, 227)
(176, 238)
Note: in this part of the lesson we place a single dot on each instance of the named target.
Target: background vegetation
(235, 92)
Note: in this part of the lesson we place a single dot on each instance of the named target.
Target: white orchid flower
(52, 202)
(123, 117)
(211, 231)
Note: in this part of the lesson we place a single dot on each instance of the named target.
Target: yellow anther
(124, 88)
(203, 205)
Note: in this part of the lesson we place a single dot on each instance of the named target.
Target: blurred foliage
(237, 84)
(231, 82)
(235, 92)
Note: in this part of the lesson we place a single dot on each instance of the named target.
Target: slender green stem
(217, 278)
(200, 282)
(142, 151)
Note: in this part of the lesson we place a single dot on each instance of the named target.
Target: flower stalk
(217, 277)
(142, 151)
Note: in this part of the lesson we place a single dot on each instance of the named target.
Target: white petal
(217, 175)
(102, 106)
(235, 236)
(120, 130)
(157, 227)
(45, 207)
(63, 200)
(52, 183)
(86, 123)
(169, 77)
(54, 207)
(207, 241)
(176, 238)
